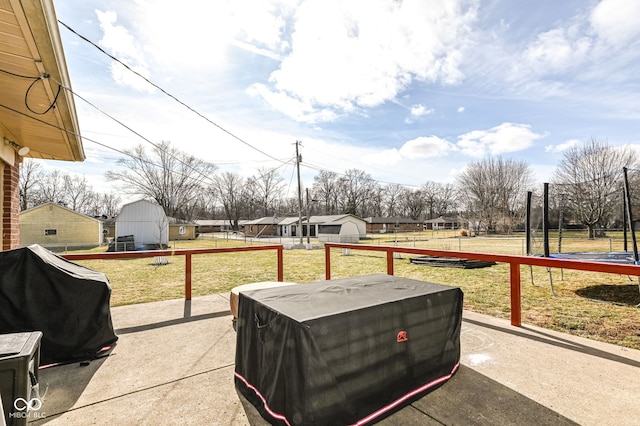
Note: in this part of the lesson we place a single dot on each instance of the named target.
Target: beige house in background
(53, 226)
(181, 229)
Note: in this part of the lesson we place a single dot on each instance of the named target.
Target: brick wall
(10, 207)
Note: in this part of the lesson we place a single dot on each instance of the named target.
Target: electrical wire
(70, 132)
(33, 83)
(190, 108)
(158, 147)
(53, 103)
(61, 86)
(207, 178)
(194, 110)
(239, 139)
(28, 77)
(322, 169)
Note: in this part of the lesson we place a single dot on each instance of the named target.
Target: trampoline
(620, 257)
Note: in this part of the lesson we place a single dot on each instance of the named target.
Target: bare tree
(374, 206)
(414, 202)
(393, 197)
(169, 176)
(30, 176)
(110, 203)
(51, 188)
(355, 187)
(230, 189)
(325, 188)
(447, 201)
(38, 186)
(268, 187)
(590, 176)
(440, 199)
(250, 199)
(78, 194)
(493, 191)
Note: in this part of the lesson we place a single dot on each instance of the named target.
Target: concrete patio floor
(174, 364)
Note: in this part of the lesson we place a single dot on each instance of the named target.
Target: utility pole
(298, 159)
(308, 220)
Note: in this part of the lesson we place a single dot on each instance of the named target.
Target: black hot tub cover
(68, 303)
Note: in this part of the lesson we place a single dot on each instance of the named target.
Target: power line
(167, 93)
(322, 169)
(130, 154)
(185, 104)
(70, 132)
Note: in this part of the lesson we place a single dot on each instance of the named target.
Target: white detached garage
(345, 228)
(146, 221)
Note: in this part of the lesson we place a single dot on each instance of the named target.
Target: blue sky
(408, 91)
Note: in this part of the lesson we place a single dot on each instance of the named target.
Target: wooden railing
(514, 262)
(187, 253)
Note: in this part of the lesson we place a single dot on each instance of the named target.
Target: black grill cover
(345, 351)
(68, 303)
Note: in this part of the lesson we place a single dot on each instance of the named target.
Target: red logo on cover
(402, 336)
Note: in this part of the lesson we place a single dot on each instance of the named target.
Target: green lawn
(594, 305)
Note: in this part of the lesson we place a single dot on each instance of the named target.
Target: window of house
(329, 229)
(182, 230)
(50, 232)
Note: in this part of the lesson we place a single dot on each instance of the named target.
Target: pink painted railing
(514, 262)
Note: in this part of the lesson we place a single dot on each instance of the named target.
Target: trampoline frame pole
(627, 193)
(545, 218)
(528, 225)
(624, 218)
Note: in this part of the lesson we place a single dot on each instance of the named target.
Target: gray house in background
(343, 228)
(288, 227)
(444, 223)
(213, 225)
(264, 227)
(146, 222)
(392, 224)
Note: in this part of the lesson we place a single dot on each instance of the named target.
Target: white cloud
(198, 38)
(562, 147)
(556, 51)
(507, 137)
(125, 77)
(294, 108)
(425, 147)
(388, 157)
(418, 111)
(460, 109)
(121, 44)
(593, 47)
(117, 38)
(616, 21)
(360, 54)
(257, 50)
